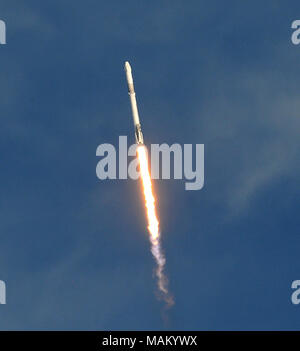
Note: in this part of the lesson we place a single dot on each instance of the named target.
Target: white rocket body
(135, 113)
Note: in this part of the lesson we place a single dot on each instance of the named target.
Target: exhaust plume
(153, 227)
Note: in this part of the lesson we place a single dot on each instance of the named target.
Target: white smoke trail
(162, 280)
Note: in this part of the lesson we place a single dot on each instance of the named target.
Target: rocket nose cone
(127, 66)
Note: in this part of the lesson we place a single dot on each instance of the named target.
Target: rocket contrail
(153, 224)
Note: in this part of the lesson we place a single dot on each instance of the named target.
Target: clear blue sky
(74, 251)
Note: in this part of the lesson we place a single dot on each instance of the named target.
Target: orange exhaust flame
(153, 225)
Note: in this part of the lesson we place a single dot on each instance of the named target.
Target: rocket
(135, 113)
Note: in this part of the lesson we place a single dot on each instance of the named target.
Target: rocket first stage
(135, 114)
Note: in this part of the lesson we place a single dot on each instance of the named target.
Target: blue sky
(74, 251)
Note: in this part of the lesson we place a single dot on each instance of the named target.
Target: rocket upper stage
(135, 114)
(129, 78)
